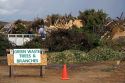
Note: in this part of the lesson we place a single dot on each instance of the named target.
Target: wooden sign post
(27, 57)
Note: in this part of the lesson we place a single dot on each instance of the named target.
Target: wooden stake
(10, 68)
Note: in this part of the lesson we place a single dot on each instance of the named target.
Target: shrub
(35, 43)
(103, 54)
(62, 39)
(67, 56)
(77, 56)
(92, 38)
(4, 44)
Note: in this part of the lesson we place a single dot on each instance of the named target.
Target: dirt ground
(99, 72)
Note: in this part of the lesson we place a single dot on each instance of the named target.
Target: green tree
(93, 19)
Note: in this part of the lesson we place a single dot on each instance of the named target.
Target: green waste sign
(27, 56)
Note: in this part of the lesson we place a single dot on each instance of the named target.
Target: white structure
(20, 39)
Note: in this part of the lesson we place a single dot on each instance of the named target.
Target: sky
(11, 10)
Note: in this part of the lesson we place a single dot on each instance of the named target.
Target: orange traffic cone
(64, 73)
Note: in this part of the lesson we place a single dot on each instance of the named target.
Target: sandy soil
(99, 72)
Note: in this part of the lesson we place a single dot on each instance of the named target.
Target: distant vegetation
(2, 24)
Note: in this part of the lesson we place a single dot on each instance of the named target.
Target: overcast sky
(29, 9)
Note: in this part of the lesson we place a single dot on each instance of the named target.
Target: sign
(27, 56)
